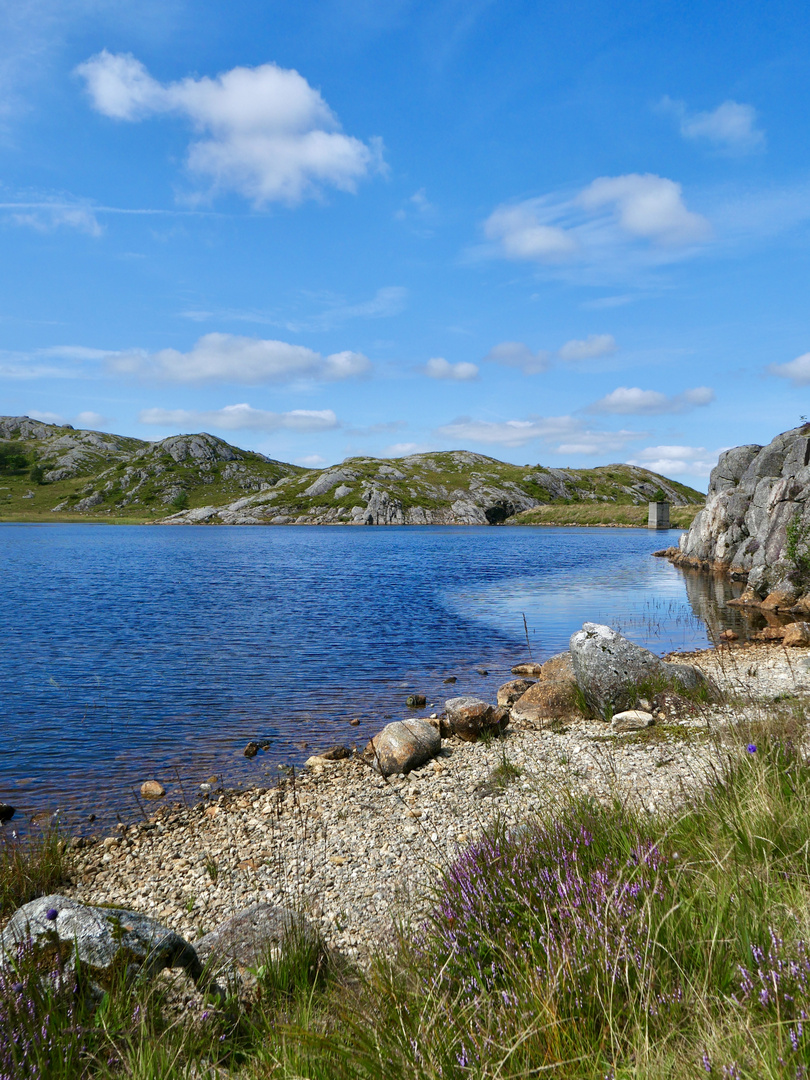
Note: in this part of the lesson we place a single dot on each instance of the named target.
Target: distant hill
(58, 473)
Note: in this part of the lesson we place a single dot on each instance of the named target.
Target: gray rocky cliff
(758, 495)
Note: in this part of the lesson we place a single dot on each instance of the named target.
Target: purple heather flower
(707, 1065)
(752, 748)
(51, 914)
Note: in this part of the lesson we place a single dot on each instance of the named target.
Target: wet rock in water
(728, 635)
(416, 701)
(451, 679)
(769, 633)
(243, 943)
(6, 812)
(632, 720)
(797, 634)
(402, 746)
(469, 717)
(545, 702)
(528, 669)
(610, 670)
(482, 671)
(152, 789)
(336, 752)
(354, 722)
(251, 750)
(511, 691)
(108, 942)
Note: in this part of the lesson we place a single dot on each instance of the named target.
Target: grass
(593, 941)
(32, 868)
(601, 513)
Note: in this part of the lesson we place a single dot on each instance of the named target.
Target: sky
(567, 234)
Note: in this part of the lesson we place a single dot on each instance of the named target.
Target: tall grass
(30, 868)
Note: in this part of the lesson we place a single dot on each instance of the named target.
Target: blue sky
(570, 234)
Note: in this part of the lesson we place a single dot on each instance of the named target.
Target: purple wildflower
(51, 914)
(707, 1065)
(752, 748)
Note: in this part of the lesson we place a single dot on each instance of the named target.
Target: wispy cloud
(677, 460)
(242, 417)
(731, 127)
(633, 401)
(265, 133)
(590, 348)
(518, 354)
(563, 434)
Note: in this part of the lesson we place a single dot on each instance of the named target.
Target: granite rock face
(610, 670)
(755, 493)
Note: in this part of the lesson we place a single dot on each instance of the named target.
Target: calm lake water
(134, 652)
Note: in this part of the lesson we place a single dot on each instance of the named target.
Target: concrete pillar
(658, 517)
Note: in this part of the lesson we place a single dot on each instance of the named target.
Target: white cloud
(731, 126)
(589, 348)
(310, 461)
(677, 460)
(519, 355)
(798, 370)
(46, 217)
(523, 235)
(439, 368)
(405, 449)
(46, 417)
(577, 439)
(613, 223)
(242, 417)
(264, 132)
(90, 419)
(633, 401)
(229, 358)
(648, 207)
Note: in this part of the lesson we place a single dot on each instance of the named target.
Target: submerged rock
(152, 789)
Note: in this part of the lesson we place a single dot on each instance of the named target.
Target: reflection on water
(132, 652)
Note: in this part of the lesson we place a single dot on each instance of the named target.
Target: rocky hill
(45, 469)
(756, 522)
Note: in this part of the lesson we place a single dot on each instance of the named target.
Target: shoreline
(354, 852)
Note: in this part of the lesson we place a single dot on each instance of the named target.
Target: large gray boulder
(755, 493)
(108, 942)
(238, 947)
(613, 673)
(402, 746)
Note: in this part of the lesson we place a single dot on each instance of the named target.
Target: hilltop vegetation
(48, 470)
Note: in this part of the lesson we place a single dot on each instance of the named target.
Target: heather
(592, 941)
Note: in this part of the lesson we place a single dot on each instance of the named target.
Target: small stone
(482, 671)
(416, 701)
(632, 720)
(336, 752)
(251, 750)
(728, 635)
(797, 634)
(152, 789)
(451, 679)
(512, 690)
(355, 722)
(6, 812)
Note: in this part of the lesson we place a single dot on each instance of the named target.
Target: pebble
(354, 851)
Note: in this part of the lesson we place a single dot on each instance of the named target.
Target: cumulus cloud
(569, 433)
(798, 370)
(263, 132)
(589, 348)
(613, 213)
(677, 460)
(518, 354)
(405, 449)
(88, 419)
(731, 126)
(47, 417)
(633, 401)
(242, 417)
(311, 461)
(230, 358)
(439, 368)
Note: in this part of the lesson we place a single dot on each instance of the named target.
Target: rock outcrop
(757, 500)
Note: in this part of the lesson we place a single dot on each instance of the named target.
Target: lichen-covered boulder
(612, 672)
(108, 942)
(402, 746)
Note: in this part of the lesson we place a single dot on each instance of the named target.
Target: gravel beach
(356, 852)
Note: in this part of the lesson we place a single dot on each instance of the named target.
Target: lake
(133, 652)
